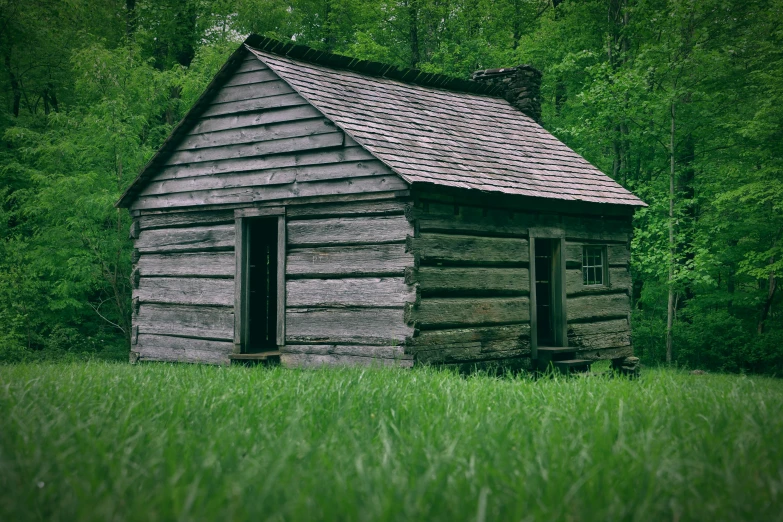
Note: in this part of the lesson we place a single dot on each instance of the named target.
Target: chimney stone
(520, 85)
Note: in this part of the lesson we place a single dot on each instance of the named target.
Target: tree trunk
(171, 109)
(731, 270)
(617, 153)
(561, 95)
(617, 56)
(517, 24)
(15, 88)
(770, 296)
(329, 38)
(624, 133)
(670, 307)
(130, 17)
(53, 98)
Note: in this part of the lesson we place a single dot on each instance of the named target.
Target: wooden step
(570, 365)
(260, 356)
(550, 354)
(557, 349)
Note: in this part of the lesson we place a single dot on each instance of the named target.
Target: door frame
(242, 218)
(559, 301)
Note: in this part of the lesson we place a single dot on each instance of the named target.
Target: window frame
(604, 265)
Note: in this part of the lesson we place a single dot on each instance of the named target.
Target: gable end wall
(258, 141)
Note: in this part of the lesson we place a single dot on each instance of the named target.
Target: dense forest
(681, 101)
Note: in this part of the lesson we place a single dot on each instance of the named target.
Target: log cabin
(320, 210)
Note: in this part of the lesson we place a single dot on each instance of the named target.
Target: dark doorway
(262, 285)
(545, 275)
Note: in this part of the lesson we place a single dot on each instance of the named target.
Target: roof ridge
(368, 67)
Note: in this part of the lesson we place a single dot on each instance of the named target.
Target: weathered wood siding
(259, 141)
(371, 277)
(471, 269)
(346, 286)
(472, 272)
(184, 287)
(599, 315)
(346, 289)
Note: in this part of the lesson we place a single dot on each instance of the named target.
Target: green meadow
(107, 441)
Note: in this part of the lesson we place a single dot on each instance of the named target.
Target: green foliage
(99, 441)
(93, 88)
(65, 263)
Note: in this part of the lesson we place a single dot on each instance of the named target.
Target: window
(593, 265)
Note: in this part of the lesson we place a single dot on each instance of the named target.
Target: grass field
(103, 441)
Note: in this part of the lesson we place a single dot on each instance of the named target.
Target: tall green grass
(152, 442)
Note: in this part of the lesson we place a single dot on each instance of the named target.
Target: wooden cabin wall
(183, 297)
(257, 141)
(599, 316)
(367, 281)
(345, 284)
(472, 270)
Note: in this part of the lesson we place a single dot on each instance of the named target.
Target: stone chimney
(520, 85)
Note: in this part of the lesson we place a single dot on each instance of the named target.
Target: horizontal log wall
(363, 285)
(472, 270)
(346, 289)
(599, 315)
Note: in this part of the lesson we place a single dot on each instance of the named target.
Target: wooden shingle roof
(443, 136)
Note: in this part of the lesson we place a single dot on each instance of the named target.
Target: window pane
(593, 265)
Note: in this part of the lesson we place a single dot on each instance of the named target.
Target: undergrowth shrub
(63, 344)
(712, 340)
